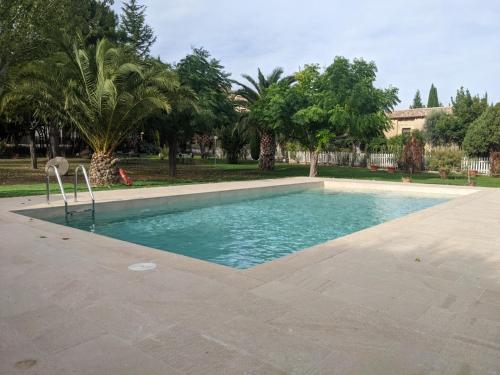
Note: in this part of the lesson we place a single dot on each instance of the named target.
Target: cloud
(414, 42)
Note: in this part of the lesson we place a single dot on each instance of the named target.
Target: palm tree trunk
(33, 159)
(103, 170)
(313, 167)
(267, 150)
(172, 156)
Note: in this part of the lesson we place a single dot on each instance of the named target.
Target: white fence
(383, 160)
(481, 165)
(329, 158)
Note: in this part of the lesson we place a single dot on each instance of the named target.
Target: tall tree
(136, 33)
(314, 124)
(251, 94)
(417, 101)
(340, 101)
(110, 97)
(433, 100)
(352, 87)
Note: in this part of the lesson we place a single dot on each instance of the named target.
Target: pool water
(245, 233)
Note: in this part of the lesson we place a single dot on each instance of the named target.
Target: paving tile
(129, 322)
(277, 347)
(286, 293)
(193, 352)
(438, 317)
(52, 329)
(374, 362)
(109, 355)
(491, 297)
(16, 300)
(485, 310)
(474, 352)
(469, 325)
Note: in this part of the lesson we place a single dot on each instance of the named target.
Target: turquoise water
(245, 233)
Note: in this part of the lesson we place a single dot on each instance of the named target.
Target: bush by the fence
(445, 160)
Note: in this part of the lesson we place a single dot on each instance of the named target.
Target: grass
(17, 179)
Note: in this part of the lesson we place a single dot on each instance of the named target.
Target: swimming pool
(243, 231)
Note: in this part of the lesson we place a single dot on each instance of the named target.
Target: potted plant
(373, 167)
(391, 169)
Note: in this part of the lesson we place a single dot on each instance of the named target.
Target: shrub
(445, 160)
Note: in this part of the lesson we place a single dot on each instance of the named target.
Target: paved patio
(417, 295)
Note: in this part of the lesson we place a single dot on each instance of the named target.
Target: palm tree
(251, 93)
(109, 97)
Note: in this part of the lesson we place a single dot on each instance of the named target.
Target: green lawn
(16, 179)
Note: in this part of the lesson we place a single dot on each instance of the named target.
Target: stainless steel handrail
(61, 187)
(87, 182)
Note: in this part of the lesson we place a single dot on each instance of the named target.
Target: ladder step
(79, 211)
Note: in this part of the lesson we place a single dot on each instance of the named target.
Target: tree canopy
(211, 84)
(340, 100)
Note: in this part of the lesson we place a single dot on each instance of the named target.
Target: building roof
(416, 112)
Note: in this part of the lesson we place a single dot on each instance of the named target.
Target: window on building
(405, 130)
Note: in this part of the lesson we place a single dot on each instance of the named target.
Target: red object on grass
(125, 179)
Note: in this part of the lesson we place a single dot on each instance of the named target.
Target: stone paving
(416, 295)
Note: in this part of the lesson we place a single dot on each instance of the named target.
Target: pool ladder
(61, 188)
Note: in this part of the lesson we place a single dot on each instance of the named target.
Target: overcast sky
(413, 42)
